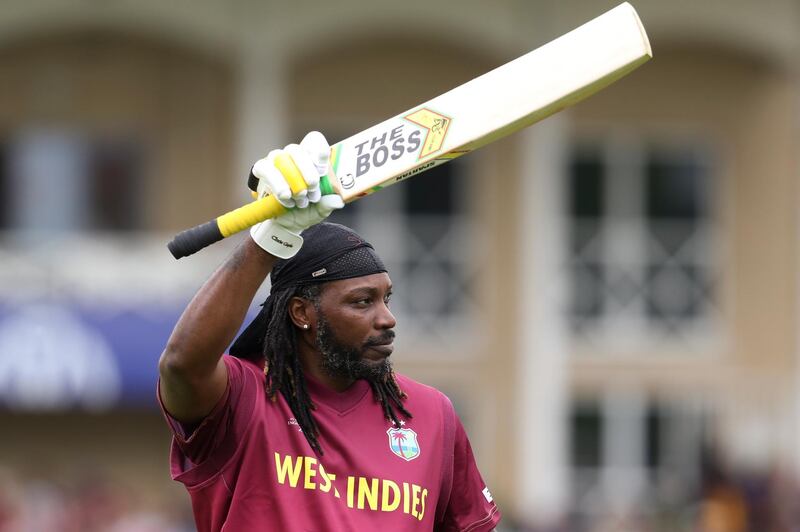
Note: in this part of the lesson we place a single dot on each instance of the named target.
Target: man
(305, 426)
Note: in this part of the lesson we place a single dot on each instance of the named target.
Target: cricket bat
(498, 103)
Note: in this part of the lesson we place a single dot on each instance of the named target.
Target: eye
(363, 301)
(387, 299)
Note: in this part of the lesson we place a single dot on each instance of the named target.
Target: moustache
(385, 338)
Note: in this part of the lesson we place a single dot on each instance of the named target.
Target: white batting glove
(281, 236)
(311, 157)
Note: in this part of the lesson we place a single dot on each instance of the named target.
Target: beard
(339, 360)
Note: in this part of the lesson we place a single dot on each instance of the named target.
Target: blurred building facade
(610, 298)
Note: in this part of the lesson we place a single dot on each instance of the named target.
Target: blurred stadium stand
(609, 298)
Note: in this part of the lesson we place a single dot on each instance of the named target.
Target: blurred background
(610, 298)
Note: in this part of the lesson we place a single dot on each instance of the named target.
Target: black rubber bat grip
(193, 240)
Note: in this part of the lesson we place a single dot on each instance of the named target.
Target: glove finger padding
(317, 147)
(308, 170)
(271, 180)
(329, 203)
(310, 158)
(296, 220)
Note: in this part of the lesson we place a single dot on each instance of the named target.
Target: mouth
(382, 344)
(384, 350)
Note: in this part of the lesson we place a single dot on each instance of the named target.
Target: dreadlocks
(284, 372)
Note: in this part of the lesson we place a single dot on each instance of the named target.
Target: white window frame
(623, 226)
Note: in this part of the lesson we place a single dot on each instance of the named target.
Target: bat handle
(193, 240)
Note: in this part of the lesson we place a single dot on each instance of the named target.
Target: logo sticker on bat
(436, 125)
(423, 136)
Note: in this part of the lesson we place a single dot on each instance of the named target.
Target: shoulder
(239, 368)
(245, 380)
(418, 392)
(408, 385)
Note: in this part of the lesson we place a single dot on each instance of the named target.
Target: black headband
(330, 252)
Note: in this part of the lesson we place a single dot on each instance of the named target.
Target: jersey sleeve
(200, 451)
(470, 507)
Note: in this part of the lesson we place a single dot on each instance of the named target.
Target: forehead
(376, 281)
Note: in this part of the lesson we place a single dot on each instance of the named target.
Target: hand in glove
(292, 176)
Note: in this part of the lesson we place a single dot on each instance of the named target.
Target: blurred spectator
(723, 507)
(93, 504)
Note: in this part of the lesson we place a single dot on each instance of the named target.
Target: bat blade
(498, 103)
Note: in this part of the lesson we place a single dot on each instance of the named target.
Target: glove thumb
(317, 147)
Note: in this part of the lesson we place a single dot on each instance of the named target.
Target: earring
(305, 326)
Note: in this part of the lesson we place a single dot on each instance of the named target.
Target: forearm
(212, 318)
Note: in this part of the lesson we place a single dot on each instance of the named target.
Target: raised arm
(193, 376)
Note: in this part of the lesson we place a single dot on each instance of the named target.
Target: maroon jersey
(248, 466)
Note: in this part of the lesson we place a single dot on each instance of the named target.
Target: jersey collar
(342, 402)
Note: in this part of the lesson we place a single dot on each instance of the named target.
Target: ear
(302, 312)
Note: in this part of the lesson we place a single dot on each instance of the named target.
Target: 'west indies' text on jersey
(248, 466)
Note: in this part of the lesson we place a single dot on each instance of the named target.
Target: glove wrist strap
(276, 239)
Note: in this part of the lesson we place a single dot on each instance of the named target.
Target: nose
(385, 319)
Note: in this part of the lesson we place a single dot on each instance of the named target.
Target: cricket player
(304, 425)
